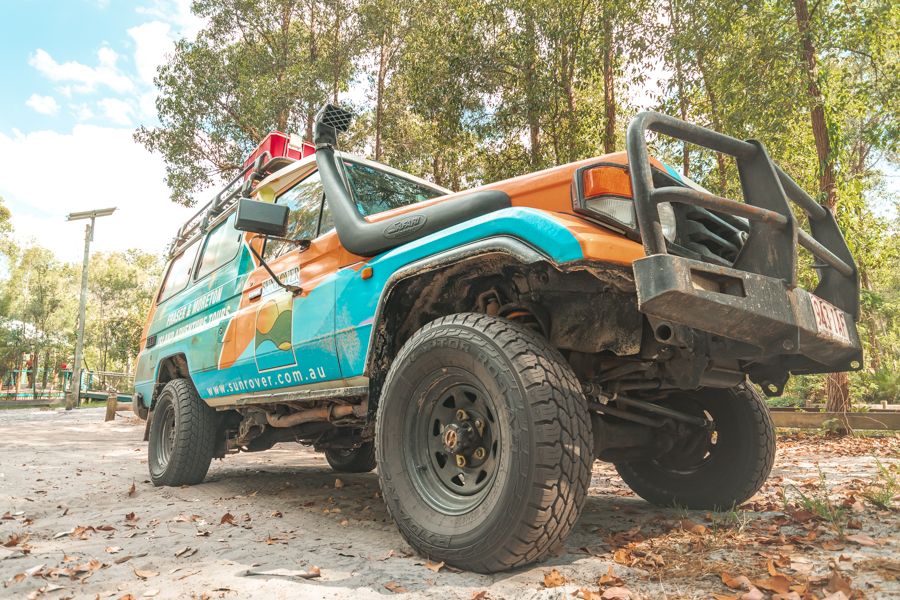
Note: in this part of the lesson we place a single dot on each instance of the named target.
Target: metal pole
(75, 386)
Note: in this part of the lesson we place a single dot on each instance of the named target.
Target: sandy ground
(263, 522)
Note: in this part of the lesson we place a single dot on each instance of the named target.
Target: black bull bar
(778, 327)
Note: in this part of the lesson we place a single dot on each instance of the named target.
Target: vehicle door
(280, 339)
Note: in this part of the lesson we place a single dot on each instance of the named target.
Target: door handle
(255, 294)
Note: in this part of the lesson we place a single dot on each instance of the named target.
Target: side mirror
(261, 217)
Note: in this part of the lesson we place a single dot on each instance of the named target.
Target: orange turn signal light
(606, 181)
(366, 273)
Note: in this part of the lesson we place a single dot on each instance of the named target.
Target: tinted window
(179, 272)
(221, 246)
(376, 191)
(305, 202)
(326, 223)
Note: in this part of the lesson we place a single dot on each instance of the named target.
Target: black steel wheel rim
(166, 442)
(454, 442)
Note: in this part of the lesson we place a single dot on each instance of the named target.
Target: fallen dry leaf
(862, 539)
(839, 583)
(554, 579)
(113, 549)
(610, 578)
(736, 583)
(778, 584)
(227, 518)
(338, 484)
(434, 566)
(132, 490)
(753, 594)
(395, 587)
(145, 574)
(691, 527)
(616, 593)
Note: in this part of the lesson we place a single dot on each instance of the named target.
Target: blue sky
(78, 79)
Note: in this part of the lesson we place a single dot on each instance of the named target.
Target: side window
(179, 272)
(305, 203)
(326, 224)
(221, 246)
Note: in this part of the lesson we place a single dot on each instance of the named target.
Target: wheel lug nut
(460, 460)
(461, 415)
(479, 453)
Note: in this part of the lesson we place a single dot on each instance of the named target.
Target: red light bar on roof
(279, 144)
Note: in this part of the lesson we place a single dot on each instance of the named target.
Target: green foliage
(885, 490)
(469, 91)
(39, 304)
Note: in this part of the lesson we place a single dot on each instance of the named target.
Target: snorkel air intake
(365, 238)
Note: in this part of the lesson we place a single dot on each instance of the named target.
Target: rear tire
(182, 436)
(352, 460)
(726, 470)
(502, 398)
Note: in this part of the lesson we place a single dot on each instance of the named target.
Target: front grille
(715, 237)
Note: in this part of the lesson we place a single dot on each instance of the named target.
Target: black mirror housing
(261, 217)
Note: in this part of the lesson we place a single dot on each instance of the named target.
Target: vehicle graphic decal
(273, 347)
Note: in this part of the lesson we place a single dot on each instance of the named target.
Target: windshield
(376, 191)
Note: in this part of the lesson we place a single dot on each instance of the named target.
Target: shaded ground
(73, 527)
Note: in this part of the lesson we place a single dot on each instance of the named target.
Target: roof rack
(239, 187)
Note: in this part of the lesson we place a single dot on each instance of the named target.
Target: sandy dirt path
(263, 522)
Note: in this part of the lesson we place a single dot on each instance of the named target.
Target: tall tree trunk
(817, 106)
(679, 82)
(609, 91)
(837, 385)
(379, 94)
(712, 97)
(568, 71)
(532, 114)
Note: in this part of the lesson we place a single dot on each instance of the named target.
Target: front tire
(352, 460)
(483, 442)
(182, 436)
(725, 469)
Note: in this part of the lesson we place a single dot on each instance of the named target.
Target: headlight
(667, 220)
(620, 209)
(603, 193)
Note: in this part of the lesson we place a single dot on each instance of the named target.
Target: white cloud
(130, 178)
(82, 112)
(117, 111)
(45, 105)
(176, 12)
(85, 78)
(152, 42)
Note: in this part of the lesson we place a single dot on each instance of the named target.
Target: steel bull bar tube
(756, 300)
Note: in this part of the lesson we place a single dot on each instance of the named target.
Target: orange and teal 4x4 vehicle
(483, 348)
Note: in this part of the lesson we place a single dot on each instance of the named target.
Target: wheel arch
(425, 284)
(173, 366)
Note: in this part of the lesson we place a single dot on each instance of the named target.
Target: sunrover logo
(404, 226)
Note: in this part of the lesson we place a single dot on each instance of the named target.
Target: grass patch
(818, 502)
(885, 488)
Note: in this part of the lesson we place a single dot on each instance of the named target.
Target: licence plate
(829, 319)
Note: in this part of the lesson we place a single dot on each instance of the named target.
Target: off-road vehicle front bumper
(755, 304)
